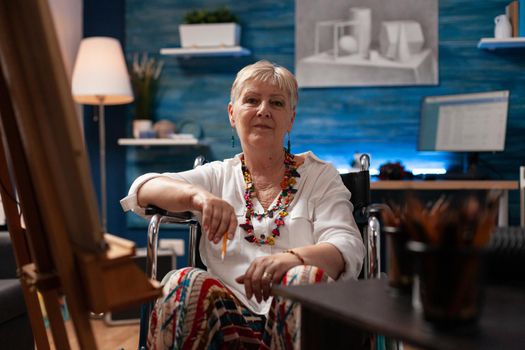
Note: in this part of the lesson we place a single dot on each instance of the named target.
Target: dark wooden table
(333, 311)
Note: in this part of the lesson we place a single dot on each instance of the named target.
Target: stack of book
(515, 11)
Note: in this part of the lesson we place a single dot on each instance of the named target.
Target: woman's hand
(218, 217)
(264, 271)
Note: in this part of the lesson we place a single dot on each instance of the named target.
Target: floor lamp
(100, 78)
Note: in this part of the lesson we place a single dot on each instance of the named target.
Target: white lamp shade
(100, 74)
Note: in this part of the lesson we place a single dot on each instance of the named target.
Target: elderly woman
(287, 218)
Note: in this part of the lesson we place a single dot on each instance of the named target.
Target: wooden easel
(62, 249)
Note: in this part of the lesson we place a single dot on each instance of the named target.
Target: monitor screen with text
(474, 122)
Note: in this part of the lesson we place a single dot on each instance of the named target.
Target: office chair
(365, 214)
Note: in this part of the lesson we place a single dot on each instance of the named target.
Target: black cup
(451, 283)
(399, 261)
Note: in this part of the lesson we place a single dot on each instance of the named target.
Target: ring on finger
(267, 276)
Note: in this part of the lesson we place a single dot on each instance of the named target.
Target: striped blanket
(199, 312)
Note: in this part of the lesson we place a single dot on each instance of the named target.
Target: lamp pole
(102, 160)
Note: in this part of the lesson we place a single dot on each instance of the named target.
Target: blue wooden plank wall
(334, 122)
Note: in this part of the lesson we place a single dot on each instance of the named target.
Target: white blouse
(320, 212)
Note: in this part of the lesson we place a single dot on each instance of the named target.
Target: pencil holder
(398, 260)
(451, 283)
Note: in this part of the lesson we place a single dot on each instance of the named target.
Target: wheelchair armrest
(169, 216)
(367, 220)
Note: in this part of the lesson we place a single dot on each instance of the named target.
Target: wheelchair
(365, 215)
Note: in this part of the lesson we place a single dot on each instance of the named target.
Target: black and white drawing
(366, 42)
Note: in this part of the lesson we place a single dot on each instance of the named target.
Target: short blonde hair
(267, 72)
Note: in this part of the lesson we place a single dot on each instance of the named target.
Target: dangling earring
(233, 139)
(289, 149)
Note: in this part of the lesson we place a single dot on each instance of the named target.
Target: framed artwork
(366, 43)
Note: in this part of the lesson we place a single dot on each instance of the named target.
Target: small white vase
(140, 126)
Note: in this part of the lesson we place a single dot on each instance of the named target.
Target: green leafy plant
(220, 15)
(145, 73)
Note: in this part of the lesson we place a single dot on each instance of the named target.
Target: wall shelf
(205, 51)
(509, 43)
(159, 142)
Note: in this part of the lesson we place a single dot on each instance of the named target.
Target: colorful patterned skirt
(199, 312)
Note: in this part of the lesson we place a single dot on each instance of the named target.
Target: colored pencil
(224, 242)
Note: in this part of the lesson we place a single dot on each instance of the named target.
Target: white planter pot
(209, 35)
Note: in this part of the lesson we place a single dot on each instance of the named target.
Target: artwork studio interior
(308, 174)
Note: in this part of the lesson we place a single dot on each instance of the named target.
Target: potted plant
(210, 28)
(145, 75)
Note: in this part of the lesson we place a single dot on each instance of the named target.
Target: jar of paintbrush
(448, 239)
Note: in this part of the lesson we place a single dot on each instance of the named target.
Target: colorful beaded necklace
(279, 210)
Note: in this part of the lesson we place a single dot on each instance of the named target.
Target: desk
(369, 305)
(455, 185)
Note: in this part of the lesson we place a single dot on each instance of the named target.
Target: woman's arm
(323, 255)
(218, 217)
(334, 222)
(266, 270)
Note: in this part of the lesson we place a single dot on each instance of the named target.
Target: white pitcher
(502, 28)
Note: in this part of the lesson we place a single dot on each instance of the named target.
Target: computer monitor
(468, 123)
